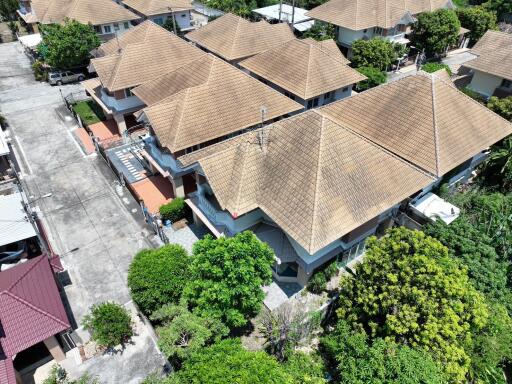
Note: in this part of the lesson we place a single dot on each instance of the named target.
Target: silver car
(63, 77)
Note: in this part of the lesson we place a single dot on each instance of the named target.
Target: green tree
(157, 276)
(109, 323)
(377, 53)
(320, 31)
(170, 25)
(8, 9)
(478, 20)
(305, 368)
(374, 77)
(58, 375)
(182, 333)
(226, 276)
(356, 360)
(68, 45)
(501, 7)
(228, 362)
(502, 107)
(435, 31)
(409, 290)
(496, 172)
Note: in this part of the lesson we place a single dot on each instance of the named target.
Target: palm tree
(496, 172)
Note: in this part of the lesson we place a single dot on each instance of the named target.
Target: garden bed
(89, 112)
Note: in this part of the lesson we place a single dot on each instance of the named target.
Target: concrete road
(85, 211)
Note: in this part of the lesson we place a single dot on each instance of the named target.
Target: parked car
(63, 77)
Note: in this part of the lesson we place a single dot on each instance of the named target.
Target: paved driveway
(85, 211)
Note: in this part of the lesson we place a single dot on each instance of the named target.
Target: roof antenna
(263, 134)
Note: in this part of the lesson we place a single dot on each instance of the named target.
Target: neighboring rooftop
(205, 100)
(14, 225)
(148, 52)
(303, 68)
(494, 51)
(316, 179)
(423, 119)
(233, 38)
(95, 12)
(363, 14)
(158, 7)
(301, 22)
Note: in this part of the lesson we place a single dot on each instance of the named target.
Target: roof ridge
(307, 72)
(244, 147)
(181, 106)
(235, 37)
(434, 120)
(24, 274)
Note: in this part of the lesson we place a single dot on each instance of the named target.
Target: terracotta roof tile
(158, 7)
(494, 51)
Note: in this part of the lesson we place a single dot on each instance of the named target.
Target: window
(401, 27)
(313, 103)
(126, 25)
(97, 29)
(183, 15)
(328, 96)
(289, 269)
(159, 20)
(364, 31)
(506, 83)
(377, 30)
(352, 253)
(344, 89)
(107, 29)
(128, 92)
(116, 26)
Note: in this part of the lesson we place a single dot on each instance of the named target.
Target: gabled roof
(156, 54)
(95, 12)
(303, 68)
(423, 119)
(328, 46)
(31, 309)
(363, 14)
(232, 37)
(316, 179)
(494, 51)
(158, 7)
(220, 100)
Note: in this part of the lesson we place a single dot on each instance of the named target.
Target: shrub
(58, 375)
(375, 77)
(474, 95)
(39, 71)
(434, 67)
(502, 107)
(157, 276)
(109, 323)
(174, 210)
(318, 282)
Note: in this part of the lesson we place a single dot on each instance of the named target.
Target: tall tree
(496, 172)
(8, 9)
(226, 276)
(69, 45)
(409, 290)
(377, 53)
(501, 7)
(478, 20)
(436, 31)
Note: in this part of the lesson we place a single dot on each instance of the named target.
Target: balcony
(165, 160)
(121, 105)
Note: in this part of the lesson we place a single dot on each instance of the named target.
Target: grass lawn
(89, 112)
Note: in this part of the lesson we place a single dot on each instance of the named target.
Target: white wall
(183, 19)
(123, 27)
(485, 83)
(348, 36)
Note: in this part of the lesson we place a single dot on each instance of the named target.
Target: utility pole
(173, 20)
(293, 12)
(280, 9)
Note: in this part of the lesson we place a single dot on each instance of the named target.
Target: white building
(162, 11)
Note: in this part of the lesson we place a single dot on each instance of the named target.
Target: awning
(15, 225)
(304, 26)
(30, 41)
(433, 207)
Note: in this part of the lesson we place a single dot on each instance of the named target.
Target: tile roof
(158, 7)
(303, 68)
(31, 308)
(316, 179)
(423, 119)
(232, 37)
(141, 61)
(328, 46)
(95, 12)
(220, 100)
(494, 51)
(362, 14)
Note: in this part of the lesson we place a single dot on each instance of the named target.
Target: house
(107, 17)
(365, 19)
(315, 185)
(311, 73)
(145, 52)
(160, 11)
(200, 104)
(233, 38)
(32, 316)
(492, 68)
(285, 13)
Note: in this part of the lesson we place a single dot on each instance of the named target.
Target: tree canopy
(157, 276)
(501, 7)
(320, 31)
(374, 77)
(8, 9)
(69, 45)
(435, 31)
(226, 276)
(478, 20)
(502, 106)
(377, 53)
(109, 323)
(409, 290)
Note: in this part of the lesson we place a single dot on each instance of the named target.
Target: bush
(375, 77)
(502, 107)
(157, 276)
(58, 375)
(109, 323)
(434, 67)
(39, 71)
(474, 95)
(174, 210)
(318, 282)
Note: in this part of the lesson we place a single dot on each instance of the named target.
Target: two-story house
(233, 38)
(142, 54)
(107, 17)
(365, 19)
(492, 68)
(199, 104)
(161, 11)
(310, 72)
(315, 185)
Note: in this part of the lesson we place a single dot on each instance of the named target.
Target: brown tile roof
(142, 61)
(232, 37)
(228, 100)
(423, 119)
(328, 46)
(363, 14)
(158, 7)
(316, 179)
(494, 51)
(95, 12)
(303, 68)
